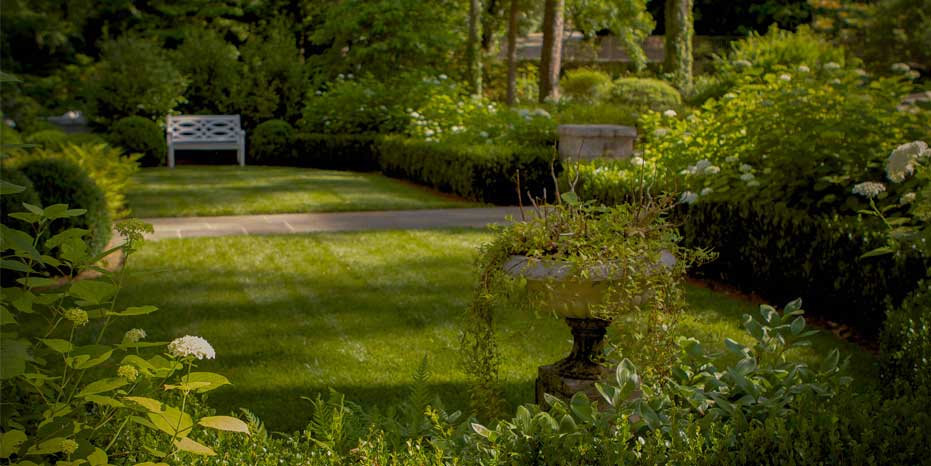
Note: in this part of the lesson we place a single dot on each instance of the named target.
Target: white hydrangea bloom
(747, 177)
(189, 345)
(660, 132)
(900, 68)
(134, 335)
(785, 77)
(868, 189)
(902, 160)
(907, 198)
(803, 69)
(670, 113)
(831, 66)
(745, 168)
(712, 170)
(688, 197)
(706, 191)
(637, 161)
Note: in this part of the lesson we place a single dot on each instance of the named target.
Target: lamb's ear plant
(69, 386)
(632, 247)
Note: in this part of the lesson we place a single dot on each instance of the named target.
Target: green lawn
(292, 316)
(223, 190)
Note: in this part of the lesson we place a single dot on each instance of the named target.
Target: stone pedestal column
(577, 372)
(587, 142)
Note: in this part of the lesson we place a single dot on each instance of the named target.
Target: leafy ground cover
(223, 190)
(357, 312)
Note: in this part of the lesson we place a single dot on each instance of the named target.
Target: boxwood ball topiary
(646, 93)
(140, 135)
(272, 141)
(58, 181)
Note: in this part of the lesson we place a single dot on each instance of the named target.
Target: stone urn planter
(588, 142)
(574, 300)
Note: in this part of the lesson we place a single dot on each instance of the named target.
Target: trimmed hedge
(782, 253)
(905, 342)
(357, 152)
(481, 173)
(59, 181)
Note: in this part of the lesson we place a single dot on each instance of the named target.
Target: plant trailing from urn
(588, 263)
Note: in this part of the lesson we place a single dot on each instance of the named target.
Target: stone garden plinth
(587, 142)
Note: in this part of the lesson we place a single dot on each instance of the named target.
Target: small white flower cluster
(637, 161)
(831, 66)
(189, 345)
(868, 189)
(702, 167)
(529, 115)
(134, 335)
(907, 198)
(670, 113)
(785, 77)
(803, 69)
(902, 161)
(900, 68)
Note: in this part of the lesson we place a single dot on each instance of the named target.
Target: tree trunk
(513, 16)
(489, 25)
(679, 32)
(473, 50)
(551, 54)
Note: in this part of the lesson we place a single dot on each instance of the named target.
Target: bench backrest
(203, 128)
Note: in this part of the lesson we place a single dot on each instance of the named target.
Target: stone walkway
(280, 224)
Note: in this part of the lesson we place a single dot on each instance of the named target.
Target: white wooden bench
(205, 132)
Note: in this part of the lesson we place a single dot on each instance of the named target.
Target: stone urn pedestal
(587, 142)
(577, 372)
(571, 299)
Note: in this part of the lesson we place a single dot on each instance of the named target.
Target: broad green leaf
(104, 401)
(18, 241)
(188, 386)
(227, 423)
(10, 442)
(191, 446)
(47, 447)
(567, 425)
(154, 406)
(735, 347)
(215, 380)
(91, 356)
(139, 363)
(27, 217)
(92, 291)
(581, 406)
(37, 282)
(56, 211)
(102, 386)
(134, 311)
(57, 344)
(66, 236)
(6, 317)
(797, 325)
(481, 430)
(172, 421)
(33, 208)
(15, 266)
(97, 458)
(9, 188)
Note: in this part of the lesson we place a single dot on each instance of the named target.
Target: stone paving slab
(282, 224)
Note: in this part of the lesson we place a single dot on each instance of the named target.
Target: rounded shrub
(10, 203)
(645, 93)
(140, 135)
(271, 142)
(585, 85)
(59, 181)
(48, 138)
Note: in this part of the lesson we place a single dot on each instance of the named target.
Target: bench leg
(171, 156)
(241, 155)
